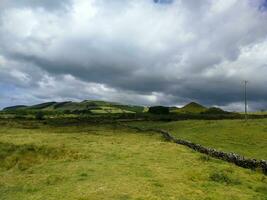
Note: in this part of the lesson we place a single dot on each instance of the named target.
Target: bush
(159, 110)
(39, 116)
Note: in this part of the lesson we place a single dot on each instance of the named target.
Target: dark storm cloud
(147, 52)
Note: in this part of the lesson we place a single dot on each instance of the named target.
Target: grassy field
(87, 162)
(246, 138)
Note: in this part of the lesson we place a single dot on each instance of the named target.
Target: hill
(14, 107)
(105, 107)
(192, 107)
(80, 107)
(215, 110)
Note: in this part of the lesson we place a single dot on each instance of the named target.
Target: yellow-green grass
(245, 138)
(107, 109)
(109, 162)
(256, 113)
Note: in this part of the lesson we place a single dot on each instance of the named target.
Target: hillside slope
(84, 106)
(192, 107)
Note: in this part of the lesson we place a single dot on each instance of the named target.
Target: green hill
(104, 107)
(215, 110)
(15, 107)
(79, 107)
(192, 107)
(42, 105)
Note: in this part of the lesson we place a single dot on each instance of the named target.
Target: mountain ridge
(102, 107)
(94, 106)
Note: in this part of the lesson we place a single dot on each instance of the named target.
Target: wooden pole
(246, 106)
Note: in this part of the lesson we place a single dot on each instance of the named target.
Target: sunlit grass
(246, 138)
(109, 162)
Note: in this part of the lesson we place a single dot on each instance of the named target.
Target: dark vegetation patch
(215, 110)
(26, 155)
(21, 123)
(222, 177)
(262, 189)
(78, 112)
(61, 104)
(159, 110)
(39, 115)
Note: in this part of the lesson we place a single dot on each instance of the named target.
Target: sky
(146, 52)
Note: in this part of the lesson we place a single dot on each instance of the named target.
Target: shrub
(159, 110)
(67, 112)
(39, 116)
(19, 116)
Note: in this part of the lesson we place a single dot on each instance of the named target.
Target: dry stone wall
(229, 157)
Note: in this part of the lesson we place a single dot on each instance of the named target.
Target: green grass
(110, 109)
(245, 138)
(257, 113)
(88, 162)
(26, 155)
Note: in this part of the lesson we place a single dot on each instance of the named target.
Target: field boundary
(234, 158)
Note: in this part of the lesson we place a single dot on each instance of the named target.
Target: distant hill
(104, 107)
(192, 107)
(215, 110)
(84, 106)
(15, 107)
(42, 105)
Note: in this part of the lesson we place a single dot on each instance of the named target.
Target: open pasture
(93, 161)
(245, 138)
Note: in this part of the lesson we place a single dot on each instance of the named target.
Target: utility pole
(245, 95)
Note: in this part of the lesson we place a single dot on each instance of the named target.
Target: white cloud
(135, 51)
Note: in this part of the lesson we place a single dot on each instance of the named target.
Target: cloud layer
(139, 52)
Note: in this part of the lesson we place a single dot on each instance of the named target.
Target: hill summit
(192, 107)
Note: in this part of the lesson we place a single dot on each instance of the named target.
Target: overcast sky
(147, 52)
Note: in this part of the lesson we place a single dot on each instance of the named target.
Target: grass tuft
(204, 157)
(222, 177)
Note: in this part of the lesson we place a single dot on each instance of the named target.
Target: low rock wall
(229, 157)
